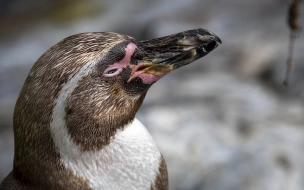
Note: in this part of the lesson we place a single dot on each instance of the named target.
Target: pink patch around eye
(118, 66)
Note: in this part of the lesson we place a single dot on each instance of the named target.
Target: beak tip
(218, 40)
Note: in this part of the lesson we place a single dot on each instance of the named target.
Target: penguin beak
(160, 56)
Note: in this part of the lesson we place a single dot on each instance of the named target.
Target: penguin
(74, 120)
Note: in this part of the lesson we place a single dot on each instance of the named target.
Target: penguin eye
(112, 72)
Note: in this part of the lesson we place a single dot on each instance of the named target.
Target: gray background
(223, 122)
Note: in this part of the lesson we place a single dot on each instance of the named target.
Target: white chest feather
(130, 161)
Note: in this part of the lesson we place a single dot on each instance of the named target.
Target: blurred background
(223, 122)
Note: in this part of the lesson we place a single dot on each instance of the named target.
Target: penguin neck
(92, 127)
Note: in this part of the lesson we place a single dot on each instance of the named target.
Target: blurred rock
(226, 135)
